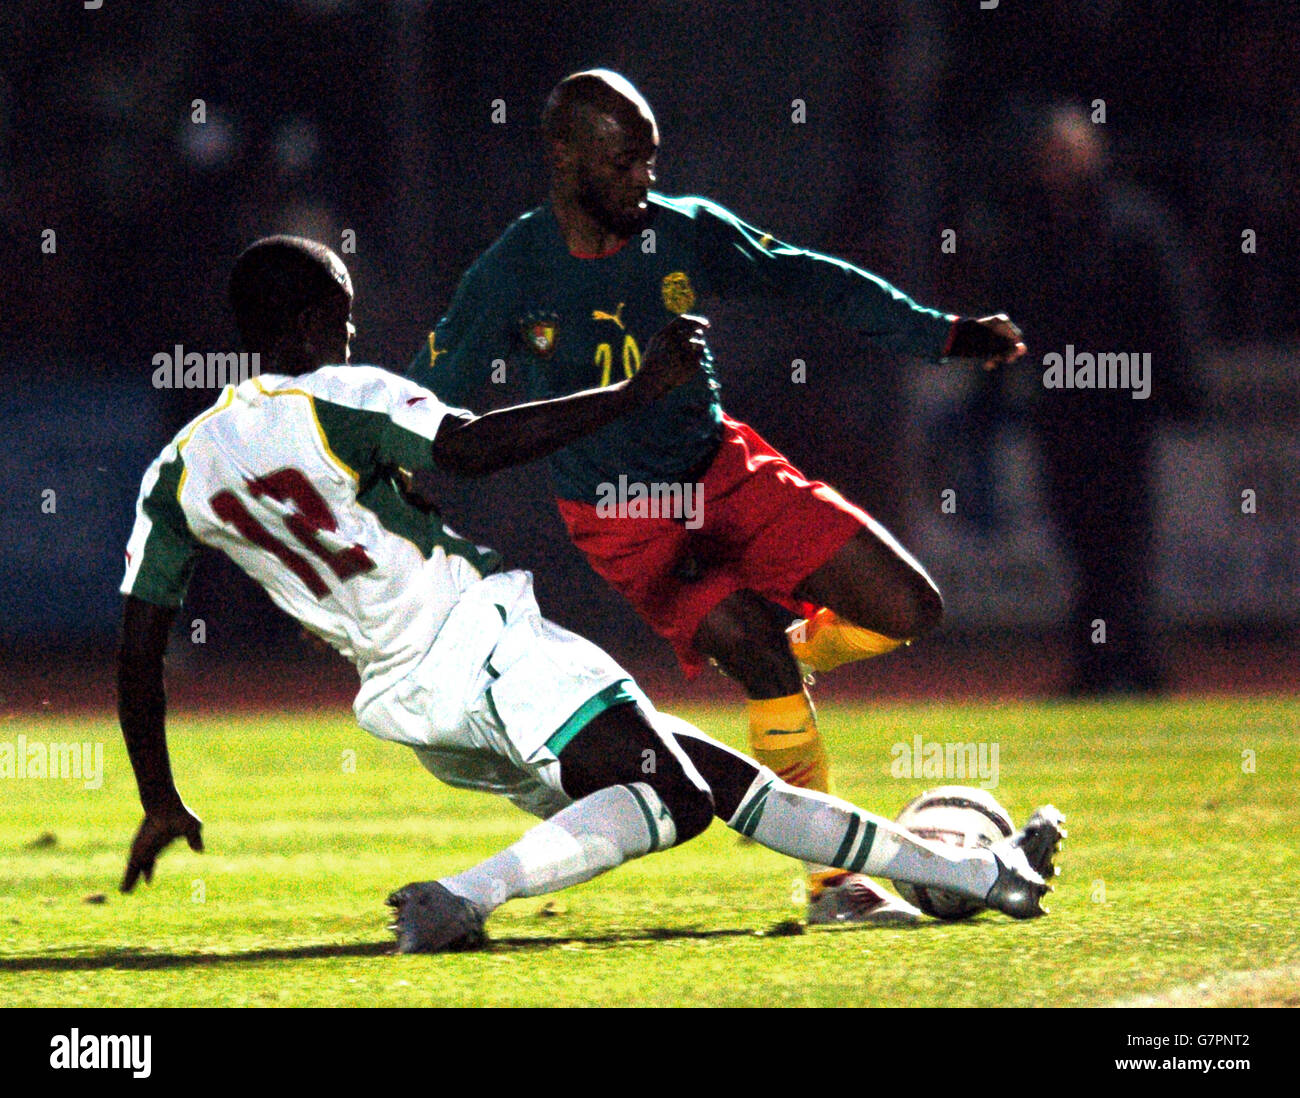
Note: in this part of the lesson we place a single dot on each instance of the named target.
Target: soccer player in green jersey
(722, 545)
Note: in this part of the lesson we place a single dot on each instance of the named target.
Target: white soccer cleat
(852, 898)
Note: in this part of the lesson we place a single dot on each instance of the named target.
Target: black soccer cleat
(1025, 866)
(433, 919)
(1041, 838)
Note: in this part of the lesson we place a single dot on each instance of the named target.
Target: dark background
(375, 117)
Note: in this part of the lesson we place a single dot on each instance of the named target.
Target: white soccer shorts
(498, 695)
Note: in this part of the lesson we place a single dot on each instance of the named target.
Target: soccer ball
(960, 815)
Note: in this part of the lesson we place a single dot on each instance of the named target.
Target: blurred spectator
(1092, 263)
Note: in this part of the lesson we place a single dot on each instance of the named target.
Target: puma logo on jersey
(414, 400)
(433, 350)
(616, 316)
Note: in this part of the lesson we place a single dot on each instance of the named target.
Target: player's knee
(622, 746)
(684, 796)
(914, 610)
(689, 804)
(721, 635)
(750, 645)
(925, 608)
(694, 817)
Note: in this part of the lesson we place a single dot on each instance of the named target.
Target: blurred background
(1116, 176)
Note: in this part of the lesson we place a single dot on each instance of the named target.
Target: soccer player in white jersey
(308, 477)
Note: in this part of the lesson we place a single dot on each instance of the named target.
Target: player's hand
(158, 830)
(672, 357)
(994, 339)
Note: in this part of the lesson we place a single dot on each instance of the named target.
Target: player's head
(292, 300)
(602, 140)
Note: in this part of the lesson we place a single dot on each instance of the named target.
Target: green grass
(1195, 859)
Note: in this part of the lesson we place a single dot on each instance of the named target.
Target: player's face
(614, 171)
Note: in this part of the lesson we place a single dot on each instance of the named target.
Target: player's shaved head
(602, 142)
(275, 280)
(579, 99)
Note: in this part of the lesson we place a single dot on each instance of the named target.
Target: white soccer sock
(589, 837)
(820, 828)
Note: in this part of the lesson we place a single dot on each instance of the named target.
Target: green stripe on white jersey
(298, 480)
(161, 552)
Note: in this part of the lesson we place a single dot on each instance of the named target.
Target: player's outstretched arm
(511, 436)
(743, 262)
(142, 712)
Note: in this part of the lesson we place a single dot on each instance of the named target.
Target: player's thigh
(622, 746)
(798, 539)
(873, 581)
(730, 774)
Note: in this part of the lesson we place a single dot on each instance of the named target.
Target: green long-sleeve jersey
(573, 322)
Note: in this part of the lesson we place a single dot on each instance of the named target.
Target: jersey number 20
(312, 516)
(605, 359)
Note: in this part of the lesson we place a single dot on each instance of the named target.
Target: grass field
(1181, 870)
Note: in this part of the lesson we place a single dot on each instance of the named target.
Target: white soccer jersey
(297, 479)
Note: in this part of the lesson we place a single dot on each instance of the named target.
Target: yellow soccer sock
(783, 736)
(821, 876)
(825, 640)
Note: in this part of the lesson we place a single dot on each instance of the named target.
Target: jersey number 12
(312, 515)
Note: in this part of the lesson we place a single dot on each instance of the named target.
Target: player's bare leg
(746, 635)
(876, 597)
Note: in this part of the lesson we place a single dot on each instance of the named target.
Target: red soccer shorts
(765, 527)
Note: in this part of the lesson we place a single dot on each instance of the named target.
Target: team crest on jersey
(679, 297)
(539, 333)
